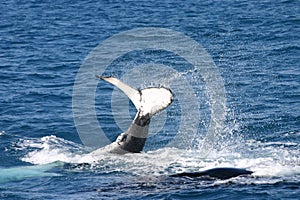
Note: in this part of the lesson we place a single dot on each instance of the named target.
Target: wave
(269, 159)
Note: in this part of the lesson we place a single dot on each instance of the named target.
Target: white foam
(267, 162)
(50, 149)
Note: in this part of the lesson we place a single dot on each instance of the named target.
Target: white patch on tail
(154, 100)
(148, 101)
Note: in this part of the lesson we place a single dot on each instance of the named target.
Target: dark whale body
(219, 173)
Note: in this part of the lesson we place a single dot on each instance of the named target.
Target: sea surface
(255, 46)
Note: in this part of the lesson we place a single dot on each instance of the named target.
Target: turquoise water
(254, 44)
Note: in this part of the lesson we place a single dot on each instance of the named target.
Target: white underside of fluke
(147, 101)
(153, 100)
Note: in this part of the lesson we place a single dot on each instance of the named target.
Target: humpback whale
(148, 102)
(219, 173)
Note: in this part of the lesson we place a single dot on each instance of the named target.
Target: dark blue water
(254, 44)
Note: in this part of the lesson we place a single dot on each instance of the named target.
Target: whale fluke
(148, 102)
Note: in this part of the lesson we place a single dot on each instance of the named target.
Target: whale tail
(147, 101)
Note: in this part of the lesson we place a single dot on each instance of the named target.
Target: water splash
(50, 149)
(265, 159)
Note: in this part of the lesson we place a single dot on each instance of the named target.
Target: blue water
(254, 44)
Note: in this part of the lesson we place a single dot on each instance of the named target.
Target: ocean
(233, 67)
